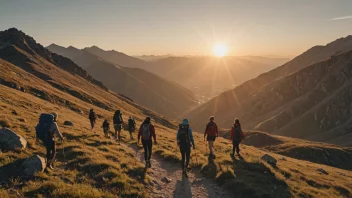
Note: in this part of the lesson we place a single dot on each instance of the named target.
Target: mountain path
(178, 186)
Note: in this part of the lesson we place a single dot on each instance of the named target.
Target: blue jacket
(190, 135)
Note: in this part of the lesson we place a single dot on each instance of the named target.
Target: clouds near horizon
(341, 18)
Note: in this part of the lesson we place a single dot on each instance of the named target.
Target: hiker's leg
(150, 146)
(211, 146)
(233, 147)
(48, 152)
(145, 147)
(238, 147)
(188, 154)
(183, 156)
(53, 148)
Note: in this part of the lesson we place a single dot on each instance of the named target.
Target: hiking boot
(184, 172)
(214, 157)
(149, 164)
(49, 166)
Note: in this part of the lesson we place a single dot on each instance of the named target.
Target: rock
(10, 140)
(166, 180)
(269, 159)
(32, 165)
(283, 159)
(68, 123)
(21, 119)
(322, 171)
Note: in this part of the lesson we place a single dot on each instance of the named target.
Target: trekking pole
(63, 153)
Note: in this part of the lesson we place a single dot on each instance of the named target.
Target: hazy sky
(248, 27)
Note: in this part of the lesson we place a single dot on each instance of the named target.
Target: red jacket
(152, 132)
(211, 129)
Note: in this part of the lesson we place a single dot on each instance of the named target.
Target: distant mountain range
(143, 87)
(209, 76)
(309, 97)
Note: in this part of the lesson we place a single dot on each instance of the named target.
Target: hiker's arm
(139, 133)
(216, 129)
(153, 132)
(206, 131)
(232, 133)
(178, 131)
(57, 131)
(191, 136)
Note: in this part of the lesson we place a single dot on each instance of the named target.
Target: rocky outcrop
(10, 140)
(33, 165)
(269, 159)
(68, 123)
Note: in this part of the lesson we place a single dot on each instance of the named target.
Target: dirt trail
(179, 186)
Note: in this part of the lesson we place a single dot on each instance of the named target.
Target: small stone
(283, 159)
(166, 180)
(322, 171)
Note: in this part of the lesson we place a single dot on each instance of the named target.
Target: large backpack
(183, 135)
(211, 127)
(146, 131)
(43, 127)
(117, 118)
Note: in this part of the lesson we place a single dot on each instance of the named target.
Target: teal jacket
(189, 133)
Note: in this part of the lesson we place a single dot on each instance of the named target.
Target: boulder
(10, 140)
(269, 159)
(32, 165)
(68, 123)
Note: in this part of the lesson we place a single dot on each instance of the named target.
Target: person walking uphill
(92, 118)
(185, 141)
(131, 126)
(117, 120)
(146, 132)
(236, 137)
(46, 131)
(211, 132)
(106, 128)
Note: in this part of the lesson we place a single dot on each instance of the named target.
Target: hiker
(211, 132)
(146, 132)
(92, 118)
(131, 126)
(106, 128)
(236, 137)
(117, 120)
(185, 141)
(47, 130)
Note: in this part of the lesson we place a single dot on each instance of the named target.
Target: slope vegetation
(312, 103)
(144, 88)
(92, 166)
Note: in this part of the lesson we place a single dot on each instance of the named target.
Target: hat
(185, 121)
(55, 115)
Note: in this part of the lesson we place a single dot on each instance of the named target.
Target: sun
(220, 50)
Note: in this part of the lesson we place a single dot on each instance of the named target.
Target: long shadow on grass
(254, 179)
(183, 188)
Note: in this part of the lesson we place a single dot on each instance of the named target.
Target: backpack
(237, 132)
(117, 118)
(183, 135)
(211, 127)
(43, 127)
(146, 131)
(92, 115)
(106, 125)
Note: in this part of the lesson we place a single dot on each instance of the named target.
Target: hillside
(312, 103)
(91, 166)
(144, 88)
(321, 153)
(209, 76)
(117, 58)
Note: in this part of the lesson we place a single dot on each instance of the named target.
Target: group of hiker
(117, 122)
(47, 130)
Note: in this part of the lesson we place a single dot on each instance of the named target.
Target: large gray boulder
(269, 159)
(32, 165)
(10, 140)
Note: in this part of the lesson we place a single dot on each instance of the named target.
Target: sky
(155, 27)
